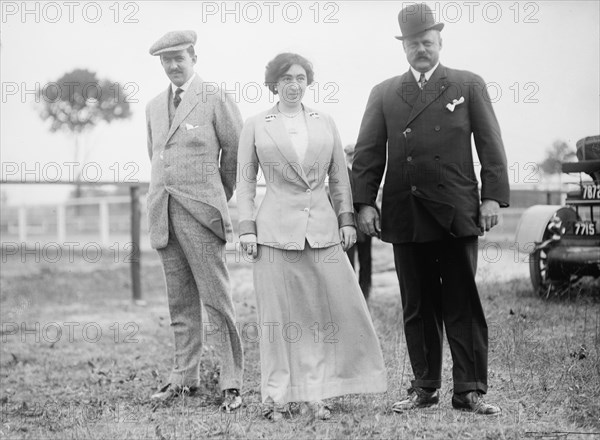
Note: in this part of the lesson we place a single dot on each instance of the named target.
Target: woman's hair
(281, 64)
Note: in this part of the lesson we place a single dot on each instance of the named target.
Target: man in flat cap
(420, 124)
(192, 142)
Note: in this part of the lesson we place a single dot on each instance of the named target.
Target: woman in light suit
(316, 336)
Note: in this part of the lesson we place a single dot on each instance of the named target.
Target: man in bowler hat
(192, 143)
(432, 209)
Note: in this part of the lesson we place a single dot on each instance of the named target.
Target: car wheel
(543, 286)
(538, 262)
(538, 266)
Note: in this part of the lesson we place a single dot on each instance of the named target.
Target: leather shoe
(417, 398)
(274, 412)
(472, 401)
(319, 409)
(172, 391)
(231, 400)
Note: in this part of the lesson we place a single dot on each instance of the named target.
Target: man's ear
(194, 58)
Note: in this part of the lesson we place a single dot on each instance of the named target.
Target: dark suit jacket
(430, 188)
(193, 160)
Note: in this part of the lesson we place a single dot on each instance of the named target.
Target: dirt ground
(79, 359)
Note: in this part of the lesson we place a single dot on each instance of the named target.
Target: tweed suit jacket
(296, 207)
(430, 187)
(194, 159)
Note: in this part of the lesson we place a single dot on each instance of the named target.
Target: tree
(79, 101)
(558, 153)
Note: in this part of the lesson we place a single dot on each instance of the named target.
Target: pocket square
(455, 102)
(190, 126)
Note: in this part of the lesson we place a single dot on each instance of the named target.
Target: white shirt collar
(184, 87)
(428, 74)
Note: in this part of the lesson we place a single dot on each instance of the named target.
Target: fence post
(104, 223)
(61, 224)
(22, 225)
(135, 242)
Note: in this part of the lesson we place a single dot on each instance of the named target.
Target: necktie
(177, 98)
(422, 81)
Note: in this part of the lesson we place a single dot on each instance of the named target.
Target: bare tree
(76, 103)
(558, 153)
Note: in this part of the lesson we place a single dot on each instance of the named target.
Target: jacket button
(161, 155)
(308, 190)
(409, 159)
(437, 158)
(440, 186)
(437, 128)
(413, 188)
(305, 209)
(408, 130)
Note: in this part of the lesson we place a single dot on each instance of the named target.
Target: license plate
(585, 228)
(591, 191)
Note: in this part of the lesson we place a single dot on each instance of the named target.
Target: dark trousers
(437, 285)
(363, 248)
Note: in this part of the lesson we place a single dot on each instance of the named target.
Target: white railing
(23, 229)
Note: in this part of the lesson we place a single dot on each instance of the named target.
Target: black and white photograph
(300, 219)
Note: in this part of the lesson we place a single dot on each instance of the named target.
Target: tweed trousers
(196, 276)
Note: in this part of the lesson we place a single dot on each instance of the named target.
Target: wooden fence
(94, 216)
(104, 203)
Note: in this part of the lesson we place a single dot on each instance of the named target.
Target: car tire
(543, 286)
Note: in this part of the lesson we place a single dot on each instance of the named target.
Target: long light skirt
(317, 338)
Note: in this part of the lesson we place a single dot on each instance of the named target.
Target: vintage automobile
(563, 242)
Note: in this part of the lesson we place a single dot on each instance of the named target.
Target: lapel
(315, 124)
(275, 127)
(408, 88)
(435, 87)
(161, 122)
(187, 104)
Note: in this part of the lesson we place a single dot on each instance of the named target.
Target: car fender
(534, 222)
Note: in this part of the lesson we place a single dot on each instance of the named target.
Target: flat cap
(173, 41)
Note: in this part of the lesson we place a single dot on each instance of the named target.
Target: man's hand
(249, 246)
(368, 221)
(488, 214)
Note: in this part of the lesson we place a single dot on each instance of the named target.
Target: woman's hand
(249, 246)
(347, 237)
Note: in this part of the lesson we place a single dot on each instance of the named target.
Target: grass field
(79, 360)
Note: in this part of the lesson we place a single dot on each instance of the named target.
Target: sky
(541, 61)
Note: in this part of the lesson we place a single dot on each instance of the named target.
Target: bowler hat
(173, 41)
(416, 18)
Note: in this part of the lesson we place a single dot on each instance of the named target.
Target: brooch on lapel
(314, 115)
(455, 102)
(269, 118)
